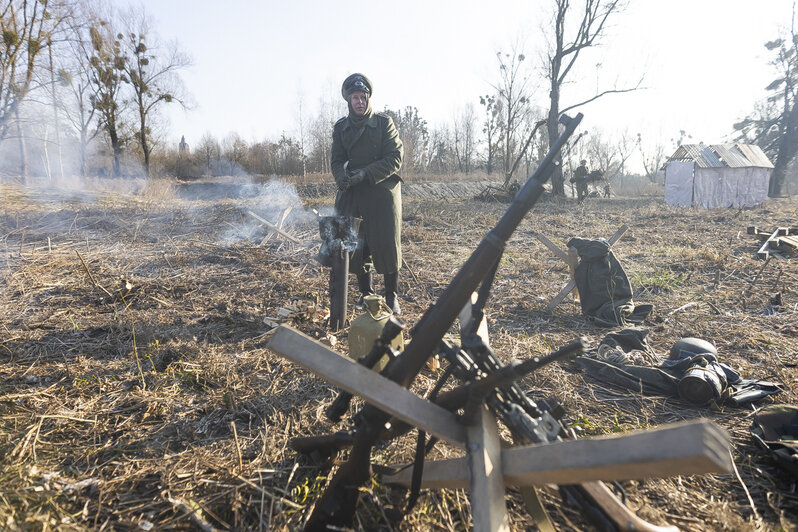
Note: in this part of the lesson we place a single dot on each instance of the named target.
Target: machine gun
(487, 380)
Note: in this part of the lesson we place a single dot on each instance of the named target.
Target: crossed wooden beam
(276, 228)
(783, 241)
(571, 258)
(690, 448)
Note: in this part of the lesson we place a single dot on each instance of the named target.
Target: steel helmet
(690, 347)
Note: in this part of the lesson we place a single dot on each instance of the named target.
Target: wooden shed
(718, 175)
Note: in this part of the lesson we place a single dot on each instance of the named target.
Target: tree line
(83, 87)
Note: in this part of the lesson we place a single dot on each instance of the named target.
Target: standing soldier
(366, 158)
(580, 178)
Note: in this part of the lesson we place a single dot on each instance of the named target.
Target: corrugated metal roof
(722, 155)
(755, 154)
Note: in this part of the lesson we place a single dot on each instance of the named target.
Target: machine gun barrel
(336, 506)
(507, 375)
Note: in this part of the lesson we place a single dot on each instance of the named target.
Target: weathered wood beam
(552, 246)
(370, 385)
(285, 214)
(690, 448)
(486, 486)
(273, 227)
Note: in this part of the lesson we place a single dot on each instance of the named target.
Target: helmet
(690, 347)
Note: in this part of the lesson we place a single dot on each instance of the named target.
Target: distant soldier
(580, 179)
(366, 158)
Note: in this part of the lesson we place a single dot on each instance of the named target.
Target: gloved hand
(342, 183)
(356, 178)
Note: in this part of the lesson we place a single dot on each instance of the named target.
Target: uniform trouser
(581, 192)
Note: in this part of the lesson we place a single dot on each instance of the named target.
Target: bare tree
(153, 73)
(208, 151)
(75, 74)
(610, 154)
(439, 154)
(653, 158)
(514, 94)
(415, 138)
(565, 49)
(234, 149)
(774, 125)
(27, 28)
(463, 138)
(301, 120)
(490, 128)
(107, 76)
(321, 132)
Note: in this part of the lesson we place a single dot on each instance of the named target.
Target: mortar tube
(339, 276)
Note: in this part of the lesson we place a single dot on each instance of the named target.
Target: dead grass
(137, 392)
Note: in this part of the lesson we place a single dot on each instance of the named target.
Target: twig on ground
(91, 277)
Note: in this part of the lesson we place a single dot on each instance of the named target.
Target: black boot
(365, 283)
(391, 297)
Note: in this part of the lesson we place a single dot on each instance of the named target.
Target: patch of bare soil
(137, 391)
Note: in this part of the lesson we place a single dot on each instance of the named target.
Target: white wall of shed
(679, 183)
(730, 187)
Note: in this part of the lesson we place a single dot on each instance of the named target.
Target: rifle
(337, 504)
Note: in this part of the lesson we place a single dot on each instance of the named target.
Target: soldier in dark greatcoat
(580, 179)
(366, 158)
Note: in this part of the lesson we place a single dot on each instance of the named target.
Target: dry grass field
(137, 391)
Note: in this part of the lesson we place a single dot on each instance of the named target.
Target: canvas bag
(604, 290)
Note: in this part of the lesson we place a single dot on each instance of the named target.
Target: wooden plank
(486, 484)
(273, 227)
(787, 243)
(618, 234)
(552, 246)
(373, 387)
(690, 448)
(279, 225)
(770, 247)
(758, 233)
(561, 295)
(573, 259)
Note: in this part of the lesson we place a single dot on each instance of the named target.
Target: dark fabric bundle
(604, 290)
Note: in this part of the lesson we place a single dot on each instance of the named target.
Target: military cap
(355, 82)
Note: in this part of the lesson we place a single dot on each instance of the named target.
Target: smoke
(275, 201)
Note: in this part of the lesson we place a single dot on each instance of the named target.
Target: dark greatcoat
(376, 148)
(580, 177)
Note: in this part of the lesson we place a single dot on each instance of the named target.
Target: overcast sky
(703, 62)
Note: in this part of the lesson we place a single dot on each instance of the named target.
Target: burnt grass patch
(137, 391)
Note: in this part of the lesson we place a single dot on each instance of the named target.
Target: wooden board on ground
(765, 235)
(690, 448)
(370, 385)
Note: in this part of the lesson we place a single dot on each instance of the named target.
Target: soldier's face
(359, 102)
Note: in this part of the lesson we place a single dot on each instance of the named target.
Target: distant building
(182, 148)
(718, 175)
